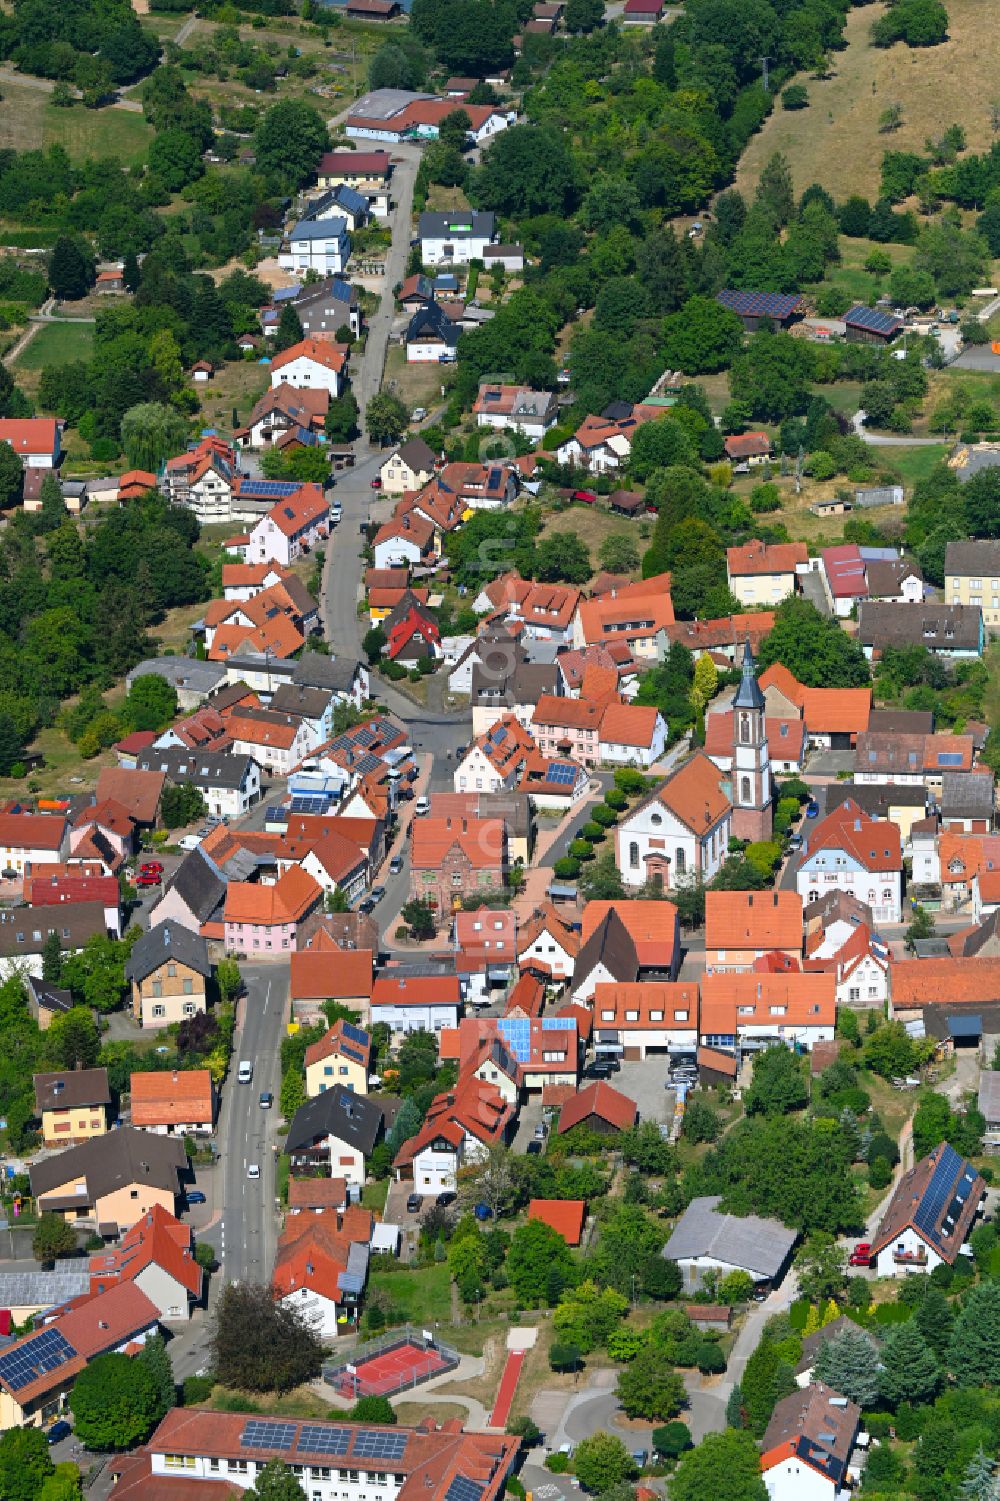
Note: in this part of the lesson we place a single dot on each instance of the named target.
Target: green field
(914, 463)
(58, 344)
(420, 1296)
(28, 120)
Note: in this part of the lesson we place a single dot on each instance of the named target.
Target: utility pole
(767, 85)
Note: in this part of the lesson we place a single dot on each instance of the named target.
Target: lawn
(418, 385)
(58, 344)
(836, 140)
(28, 120)
(237, 387)
(915, 463)
(592, 524)
(419, 1297)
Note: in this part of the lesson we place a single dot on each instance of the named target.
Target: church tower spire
(753, 790)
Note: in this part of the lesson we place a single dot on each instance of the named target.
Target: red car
(376, 483)
(587, 496)
(151, 867)
(147, 878)
(861, 1255)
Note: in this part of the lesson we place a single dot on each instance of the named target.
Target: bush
(796, 96)
(710, 1359)
(557, 1464)
(197, 1389)
(879, 1173)
(566, 869)
(616, 799)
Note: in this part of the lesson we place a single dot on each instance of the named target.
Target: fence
(348, 1372)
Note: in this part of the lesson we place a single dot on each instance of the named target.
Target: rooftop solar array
(516, 1032)
(759, 304)
(316, 1440)
(278, 488)
(872, 319)
(23, 1365)
(377, 1443)
(562, 772)
(356, 1034)
(462, 1489)
(952, 1181)
(304, 804)
(259, 1434)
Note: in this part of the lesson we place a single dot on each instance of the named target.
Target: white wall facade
(432, 1017)
(654, 831)
(305, 373)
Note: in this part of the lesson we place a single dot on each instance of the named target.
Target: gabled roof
(159, 1239)
(70, 1088)
(825, 710)
(164, 943)
(351, 1118)
(874, 843)
(955, 981)
(138, 792)
(731, 1002)
(319, 974)
(198, 883)
(320, 351)
(172, 1099)
(694, 794)
(652, 927)
(760, 1246)
(111, 1162)
(342, 1040)
(761, 558)
(753, 919)
(415, 990)
(815, 1425)
(481, 840)
(937, 1199)
(610, 945)
(293, 895)
(601, 1100)
(564, 1216)
(34, 831)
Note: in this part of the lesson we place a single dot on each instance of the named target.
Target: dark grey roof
(515, 808)
(984, 941)
(314, 670)
(610, 944)
(417, 454)
(938, 627)
(976, 559)
(199, 883)
(430, 321)
(748, 694)
(24, 930)
(183, 672)
(351, 1118)
(114, 1161)
(813, 1343)
(48, 997)
(167, 941)
(332, 289)
(458, 224)
(874, 800)
(201, 768)
(759, 1246)
(902, 721)
(967, 794)
(69, 1088)
(333, 228)
(296, 698)
(884, 578)
(228, 695)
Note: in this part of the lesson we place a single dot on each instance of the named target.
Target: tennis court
(391, 1366)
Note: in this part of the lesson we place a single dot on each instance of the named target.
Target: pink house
(266, 920)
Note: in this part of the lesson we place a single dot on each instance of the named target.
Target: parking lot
(644, 1083)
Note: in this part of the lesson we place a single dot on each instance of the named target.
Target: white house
(30, 839)
(404, 541)
(632, 735)
(646, 1016)
(456, 237)
(681, 830)
(35, 440)
(321, 245)
(929, 1215)
(862, 856)
(516, 408)
(229, 784)
(290, 528)
(312, 363)
(336, 1131)
(431, 337)
(807, 1446)
(548, 945)
(414, 1003)
(705, 1239)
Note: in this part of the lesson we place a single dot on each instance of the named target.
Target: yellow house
(169, 970)
(409, 468)
(112, 1181)
(342, 1057)
(72, 1105)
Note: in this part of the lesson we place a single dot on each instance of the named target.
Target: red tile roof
(320, 351)
(914, 982)
(172, 1099)
(753, 920)
(29, 435)
(317, 975)
(293, 895)
(652, 927)
(758, 558)
(31, 831)
(874, 842)
(694, 794)
(159, 1239)
(731, 1001)
(317, 1193)
(565, 1216)
(137, 791)
(825, 710)
(601, 1100)
(415, 990)
(481, 840)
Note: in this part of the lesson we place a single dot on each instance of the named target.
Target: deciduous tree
(115, 1403)
(261, 1346)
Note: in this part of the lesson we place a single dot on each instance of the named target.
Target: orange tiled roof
(652, 926)
(874, 842)
(825, 710)
(629, 724)
(753, 920)
(655, 1003)
(481, 840)
(808, 999)
(171, 1099)
(321, 352)
(296, 512)
(287, 901)
(693, 794)
(319, 975)
(755, 558)
(564, 1216)
(914, 982)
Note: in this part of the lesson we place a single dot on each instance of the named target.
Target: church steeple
(751, 781)
(748, 694)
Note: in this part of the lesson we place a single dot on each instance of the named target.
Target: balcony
(909, 1258)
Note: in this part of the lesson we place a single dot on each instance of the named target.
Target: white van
(246, 1072)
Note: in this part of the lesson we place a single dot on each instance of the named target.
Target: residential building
(705, 1239)
(454, 238)
(229, 784)
(268, 921)
(291, 528)
(193, 895)
(321, 245)
(326, 971)
(72, 1105)
(485, 944)
(68, 890)
(968, 801)
(516, 408)
(340, 1059)
(911, 760)
(632, 1020)
(952, 631)
(404, 542)
(631, 735)
(859, 855)
(35, 440)
(195, 1447)
(683, 828)
(833, 717)
(313, 363)
(972, 577)
(179, 1103)
(764, 574)
(415, 1003)
(321, 1267)
(548, 945)
(742, 927)
(168, 970)
(24, 932)
(746, 1011)
(905, 806)
(111, 1181)
(368, 172)
(565, 1216)
(858, 960)
(929, 1216)
(747, 450)
(409, 467)
(461, 1126)
(283, 410)
(30, 840)
(430, 337)
(157, 1256)
(451, 859)
(807, 1446)
(335, 1132)
(495, 761)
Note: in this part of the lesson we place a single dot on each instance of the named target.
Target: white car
(253, 1171)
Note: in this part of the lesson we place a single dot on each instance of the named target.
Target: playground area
(395, 1363)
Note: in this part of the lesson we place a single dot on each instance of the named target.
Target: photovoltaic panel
(374, 1443)
(463, 1489)
(19, 1367)
(259, 1434)
(759, 304)
(930, 1211)
(561, 773)
(873, 319)
(355, 1034)
(316, 1440)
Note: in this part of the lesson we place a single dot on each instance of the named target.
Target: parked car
(795, 841)
(419, 413)
(540, 1130)
(147, 878)
(58, 1431)
(153, 865)
(396, 864)
(377, 893)
(812, 808)
(377, 483)
(534, 1148)
(194, 1196)
(602, 1068)
(368, 905)
(446, 1198)
(414, 1203)
(423, 806)
(861, 1255)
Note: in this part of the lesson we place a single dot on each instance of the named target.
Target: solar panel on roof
(778, 305)
(930, 1211)
(316, 1440)
(260, 1434)
(355, 1034)
(559, 772)
(374, 1443)
(872, 319)
(23, 1365)
(463, 1489)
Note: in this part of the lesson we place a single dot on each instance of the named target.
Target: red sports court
(393, 1364)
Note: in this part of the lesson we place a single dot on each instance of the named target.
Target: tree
(154, 1359)
(292, 1095)
(290, 330)
(180, 804)
(583, 15)
(275, 1482)
(289, 142)
(493, 1183)
(53, 1237)
(152, 432)
(562, 557)
(979, 1482)
(373, 1410)
(648, 1388)
(918, 23)
(671, 1440)
(71, 269)
(921, 925)
(228, 979)
(849, 1363)
(935, 1320)
(73, 1038)
(796, 96)
(534, 1249)
(820, 1266)
(341, 424)
(52, 958)
(974, 1358)
(723, 1464)
(703, 337)
(704, 683)
(601, 1461)
(778, 1083)
(910, 1372)
(419, 918)
(11, 477)
(772, 376)
(25, 1463)
(701, 1122)
(385, 418)
(258, 1345)
(151, 703)
(115, 1403)
(775, 192)
(813, 648)
(565, 1357)
(526, 170)
(618, 553)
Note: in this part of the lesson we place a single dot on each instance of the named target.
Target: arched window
(745, 795)
(745, 728)
(633, 855)
(887, 894)
(681, 861)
